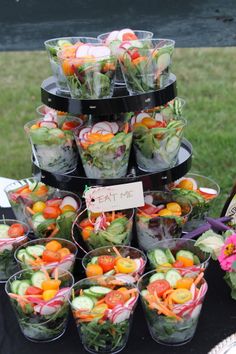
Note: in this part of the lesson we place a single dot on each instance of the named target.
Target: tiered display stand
(120, 103)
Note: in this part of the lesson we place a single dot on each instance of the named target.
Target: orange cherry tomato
(148, 122)
(184, 283)
(16, 230)
(69, 125)
(53, 246)
(51, 212)
(41, 191)
(114, 298)
(85, 222)
(93, 270)
(125, 293)
(64, 252)
(158, 287)
(129, 37)
(50, 256)
(187, 262)
(86, 232)
(51, 284)
(106, 262)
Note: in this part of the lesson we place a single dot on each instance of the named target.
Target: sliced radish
(56, 302)
(54, 202)
(133, 120)
(124, 31)
(63, 292)
(193, 291)
(131, 302)
(50, 116)
(102, 126)
(46, 309)
(140, 116)
(196, 311)
(115, 127)
(148, 199)
(125, 45)
(48, 124)
(84, 131)
(126, 278)
(139, 264)
(100, 51)
(112, 36)
(121, 315)
(36, 301)
(69, 201)
(209, 191)
(82, 51)
(159, 117)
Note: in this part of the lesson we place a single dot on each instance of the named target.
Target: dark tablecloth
(217, 321)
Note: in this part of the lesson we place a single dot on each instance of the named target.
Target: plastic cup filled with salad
(50, 253)
(172, 301)
(89, 70)
(52, 141)
(201, 191)
(40, 299)
(105, 229)
(54, 217)
(157, 140)
(53, 46)
(146, 64)
(26, 191)
(104, 148)
(177, 253)
(13, 233)
(162, 217)
(103, 309)
(123, 262)
(117, 41)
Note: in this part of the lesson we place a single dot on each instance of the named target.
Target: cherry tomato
(51, 212)
(129, 37)
(53, 246)
(158, 287)
(85, 223)
(106, 262)
(149, 209)
(54, 202)
(187, 262)
(180, 296)
(160, 124)
(178, 264)
(69, 125)
(126, 265)
(114, 298)
(16, 230)
(33, 290)
(50, 256)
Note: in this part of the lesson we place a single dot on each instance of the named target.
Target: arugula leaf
(210, 242)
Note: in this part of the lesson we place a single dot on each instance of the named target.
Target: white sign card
(117, 197)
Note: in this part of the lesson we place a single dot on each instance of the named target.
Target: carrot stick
(113, 215)
(167, 292)
(199, 277)
(126, 128)
(55, 231)
(116, 251)
(30, 210)
(100, 301)
(56, 274)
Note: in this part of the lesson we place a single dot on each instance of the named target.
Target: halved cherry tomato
(23, 190)
(51, 212)
(149, 209)
(184, 283)
(53, 246)
(114, 298)
(129, 37)
(93, 270)
(126, 265)
(64, 252)
(174, 207)
(165, 212)
(160, 124)
(148, 122)
(40, 191)
(158, 287)
(178, 264)
(50, 256)
(54, 202)
(186, 261)
(86, 232)
(125, 293)
(67, 208)
(38, 207)
(33, 290)
(85, 223)
(180, 296)
(49, 294)
(106, 262)
(16, 230)
(51, 284)
(69, 125)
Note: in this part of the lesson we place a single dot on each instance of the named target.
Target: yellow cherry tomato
(99, 310)
(38, 207)
(126, 265)
(148, 122)
(180, 296)
(165, 212)
(34, 126)
(174, 207)
(51, 284)
(49, 294)
(67, 208)
(186, 184)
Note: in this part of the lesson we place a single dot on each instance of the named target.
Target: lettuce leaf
(210, 242)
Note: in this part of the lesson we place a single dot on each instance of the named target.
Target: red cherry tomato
(114, 298)
(178, 264)
(50, 256)
(16, 230)
(129, 37)
(160, 124)
(106, 262)
(149, 209)
(54, 202)
(33, 290)
(84, 223)
(158, 287)
(69, 125)
(51, 212)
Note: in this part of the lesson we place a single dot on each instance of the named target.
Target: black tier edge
(77, 181)
(121, 102)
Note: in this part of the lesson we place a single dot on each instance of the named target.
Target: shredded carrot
(168, 312)
(30, 210)
(56, 274)
(116, 251)
(100, 301)
(113, 215)
(54, 232)
(126, 128)
(167, 292)
(198, 279)
(81, 292)
(45, 272)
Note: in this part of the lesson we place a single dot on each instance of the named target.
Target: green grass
(206, 80)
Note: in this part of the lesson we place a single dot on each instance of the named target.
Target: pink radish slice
(130, 303)
(142, 115)
(125, 45)
(63, 292)
(121, 315)
(100, 51)
(126, 278)
(124, 31)
(69, 201)
(148, 199)
(82, 51)
(36, 301)
(133, 120)
(139, 264)
(8, 247)
(208, 190)
(48, 310)
(54, 202)
(84, 131)
(102, 126)
(159, 117)
(48, 124)
(112, 36)
(193, 291)
(115, 127)
(196, 311)
(103, 132)
(55, 302)
(50, 116)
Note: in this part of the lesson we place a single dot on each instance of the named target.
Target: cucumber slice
(185, 254)
(172, 144)
(87, 292)
(170, 256)
(4, 231)
(111, 272)
(82, 303)
(36, 250)
(22, 287)
(160, 257)
(20, 255)
(99, 290)
(156, 276)
(14, 286)
(62, 42)
(24, 257)
(172, 276)
(196, 260)
(38, 219)
(94, 260)
(38, 278)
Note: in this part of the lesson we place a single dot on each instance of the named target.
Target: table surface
(217, 321)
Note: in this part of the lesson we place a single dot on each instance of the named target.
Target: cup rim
(43, 240)
(121, 246)
(140, 31)
(207, 178)
(31, 122)
(46, 43)
(18, 181)
(86, 59)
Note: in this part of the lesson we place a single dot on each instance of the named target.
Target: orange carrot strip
(199, 277)
(56, 274)
(126, 128)
(100, 301)
(30, 210)
(116, 251)
(113, 215)
(54, 232)
(167, 292)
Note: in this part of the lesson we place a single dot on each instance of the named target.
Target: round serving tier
(121, 101)
(77, 181)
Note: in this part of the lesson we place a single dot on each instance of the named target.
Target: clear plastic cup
(167, 329)
(119, 232)
(8, 265)
(146, 65)
(104, 153)
(171, 247)
(103, 332)
(53, 144)
(115, 47)
(56, 44)
(152, 229)
(27, 255)
(59, 226)
(201, 201)
(124, 251)
(89, 76)
(26, 192)
(41, 321)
